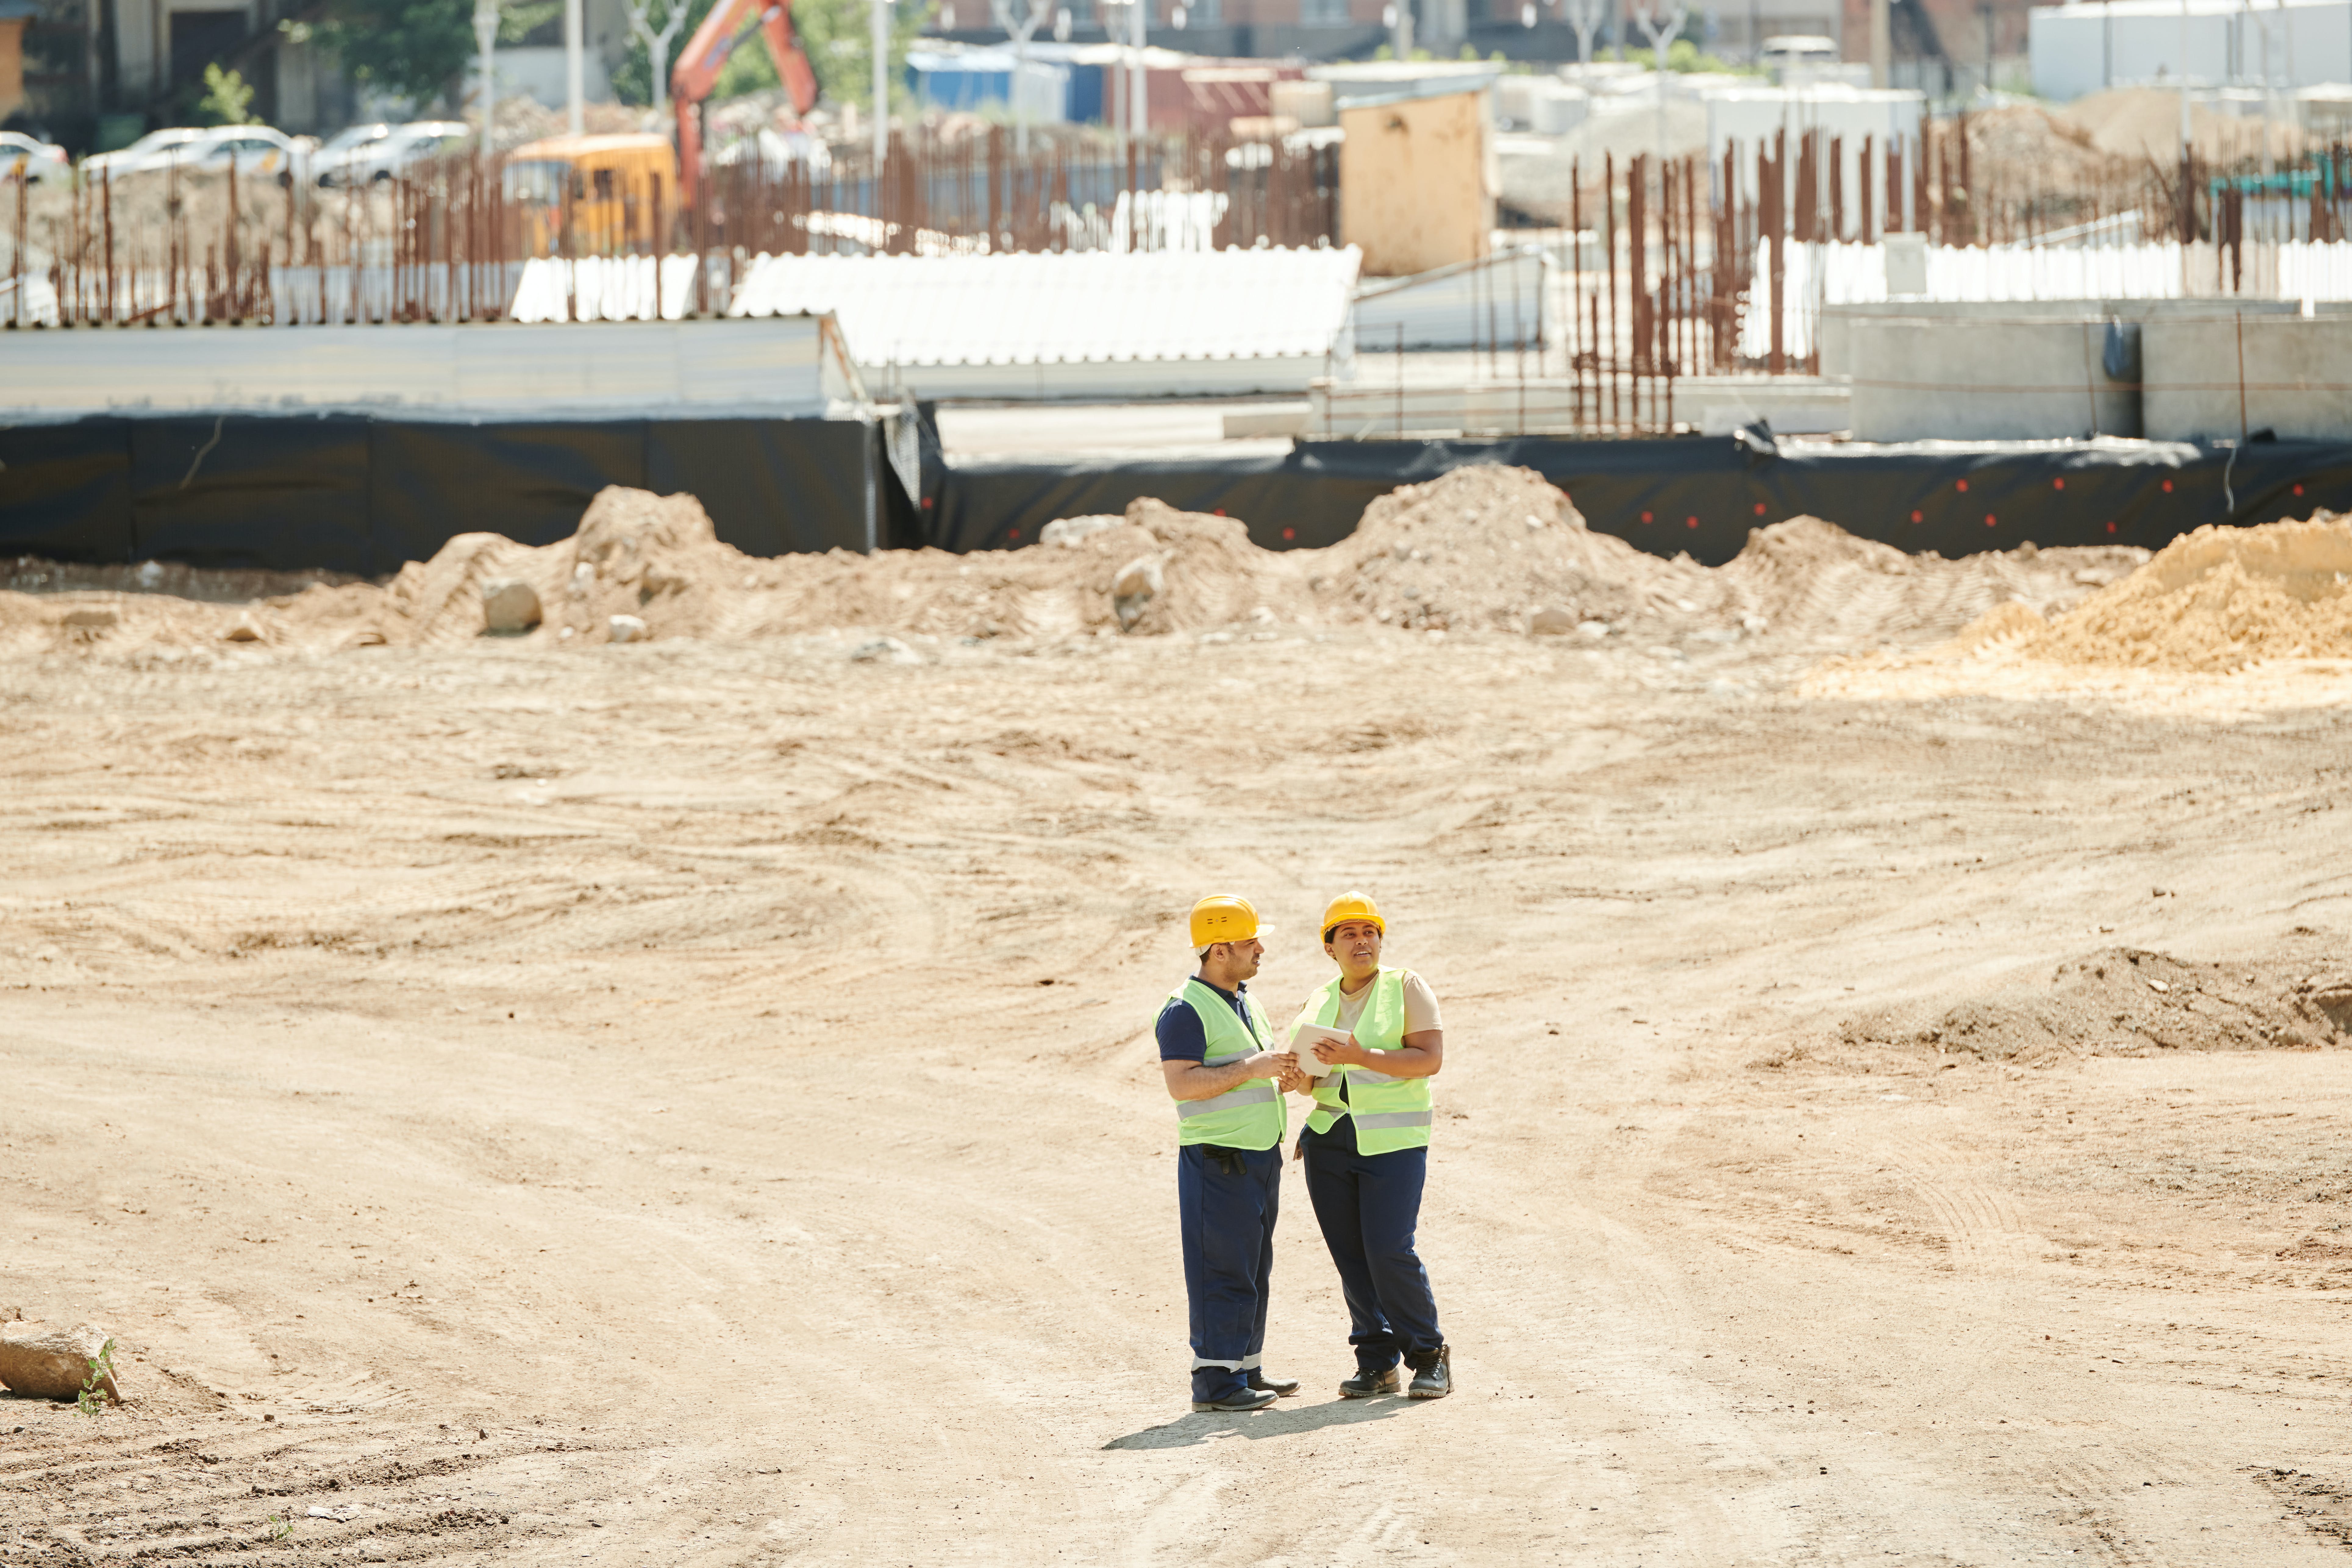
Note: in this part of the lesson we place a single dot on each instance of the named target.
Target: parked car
(257, 151)
(24, 157)
(153, 150)
(338, 149)
(382, 157)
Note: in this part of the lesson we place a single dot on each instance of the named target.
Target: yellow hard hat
(1354, 907)
(1225, 917)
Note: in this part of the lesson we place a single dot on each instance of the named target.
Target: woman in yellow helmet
(1377, 1044)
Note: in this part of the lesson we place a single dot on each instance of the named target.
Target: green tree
(227, 101)
(837, 34)
(419, 49)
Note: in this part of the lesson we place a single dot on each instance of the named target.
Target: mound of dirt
(2142, 125)
(2127, 1002)
(1812, 581)
(2056, 150)
(1484, 547)
(2215, 600)
(1478, 548)
(657, 559)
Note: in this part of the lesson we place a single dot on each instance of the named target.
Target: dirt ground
(692, 1102)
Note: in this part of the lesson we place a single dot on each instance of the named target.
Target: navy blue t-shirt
(1182, 1039)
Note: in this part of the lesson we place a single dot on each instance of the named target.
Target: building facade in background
(99, 72)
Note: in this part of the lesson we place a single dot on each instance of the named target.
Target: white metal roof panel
(1092, 306)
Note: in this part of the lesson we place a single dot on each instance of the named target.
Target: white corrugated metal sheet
(1088, 309)
(786, 368)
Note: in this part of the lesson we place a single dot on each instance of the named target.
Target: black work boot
(1279, 1387)
(1366, 1383)
(1433, 1376)
(1248, 1399)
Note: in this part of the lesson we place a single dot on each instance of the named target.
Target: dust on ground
(527, 1101)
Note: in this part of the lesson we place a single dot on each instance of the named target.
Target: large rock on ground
(49, 1363)
(510, 607)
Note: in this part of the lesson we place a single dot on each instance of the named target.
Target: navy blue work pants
(1225, 1202)
(1368, 1206)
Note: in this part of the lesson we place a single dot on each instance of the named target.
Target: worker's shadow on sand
(1209, 1426)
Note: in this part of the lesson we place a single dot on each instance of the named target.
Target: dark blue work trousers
(1368, 1206)
(1226, 1204)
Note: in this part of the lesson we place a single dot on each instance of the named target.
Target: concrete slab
(2220, 378)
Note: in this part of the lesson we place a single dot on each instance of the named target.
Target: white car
(24, 158)
(382, 157)
(257, 151)
(342, 146)
(153, 151)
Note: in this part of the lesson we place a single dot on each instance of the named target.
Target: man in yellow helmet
(1366, 1146)
(1228, 1080)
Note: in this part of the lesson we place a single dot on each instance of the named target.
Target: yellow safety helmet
(1225, 917)
(1354, 907)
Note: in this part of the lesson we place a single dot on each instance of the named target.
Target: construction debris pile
(1494, 551)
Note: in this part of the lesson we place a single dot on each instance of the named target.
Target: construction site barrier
(363, 493)
(1700, 494)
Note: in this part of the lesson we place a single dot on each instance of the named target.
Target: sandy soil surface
(517, 1101)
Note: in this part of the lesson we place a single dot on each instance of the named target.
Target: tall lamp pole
(486, 43)
(881, 85)
(575, 66)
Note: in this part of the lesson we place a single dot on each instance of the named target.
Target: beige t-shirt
(1420, 1006)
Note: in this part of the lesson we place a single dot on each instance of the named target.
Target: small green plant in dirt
(280, 1527)
(101, 1374)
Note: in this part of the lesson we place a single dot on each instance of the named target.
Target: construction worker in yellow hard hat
(1228, 1079)
(1370, 1040)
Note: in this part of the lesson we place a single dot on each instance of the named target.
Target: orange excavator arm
(728, 26)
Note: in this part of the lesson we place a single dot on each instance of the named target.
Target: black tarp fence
(1699, 495)
(363, 493)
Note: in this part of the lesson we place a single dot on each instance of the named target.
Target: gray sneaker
(1364, 1385)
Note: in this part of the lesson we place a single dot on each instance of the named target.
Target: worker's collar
(1229, 995)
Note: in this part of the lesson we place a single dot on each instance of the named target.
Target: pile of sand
(2215, 600)
(2022, 148)
(1484, 548)
(1812, 582)
(2142, 125)
(1491, 549)
(657, 561)
(2121, 1001)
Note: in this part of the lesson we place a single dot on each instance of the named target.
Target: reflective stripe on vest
(1250, 1115)
(1255, 1094)
(1391, 1113)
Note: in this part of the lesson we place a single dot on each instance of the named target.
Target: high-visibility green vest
(1251, 1115)
(1391, 1113)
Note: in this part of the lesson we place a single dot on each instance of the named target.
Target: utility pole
(2184, 82)
(1881, 46)
(1138, 121)
(575, 66)
(1399, 17)
(486, 43)
(1032, 16)
(881, 88)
